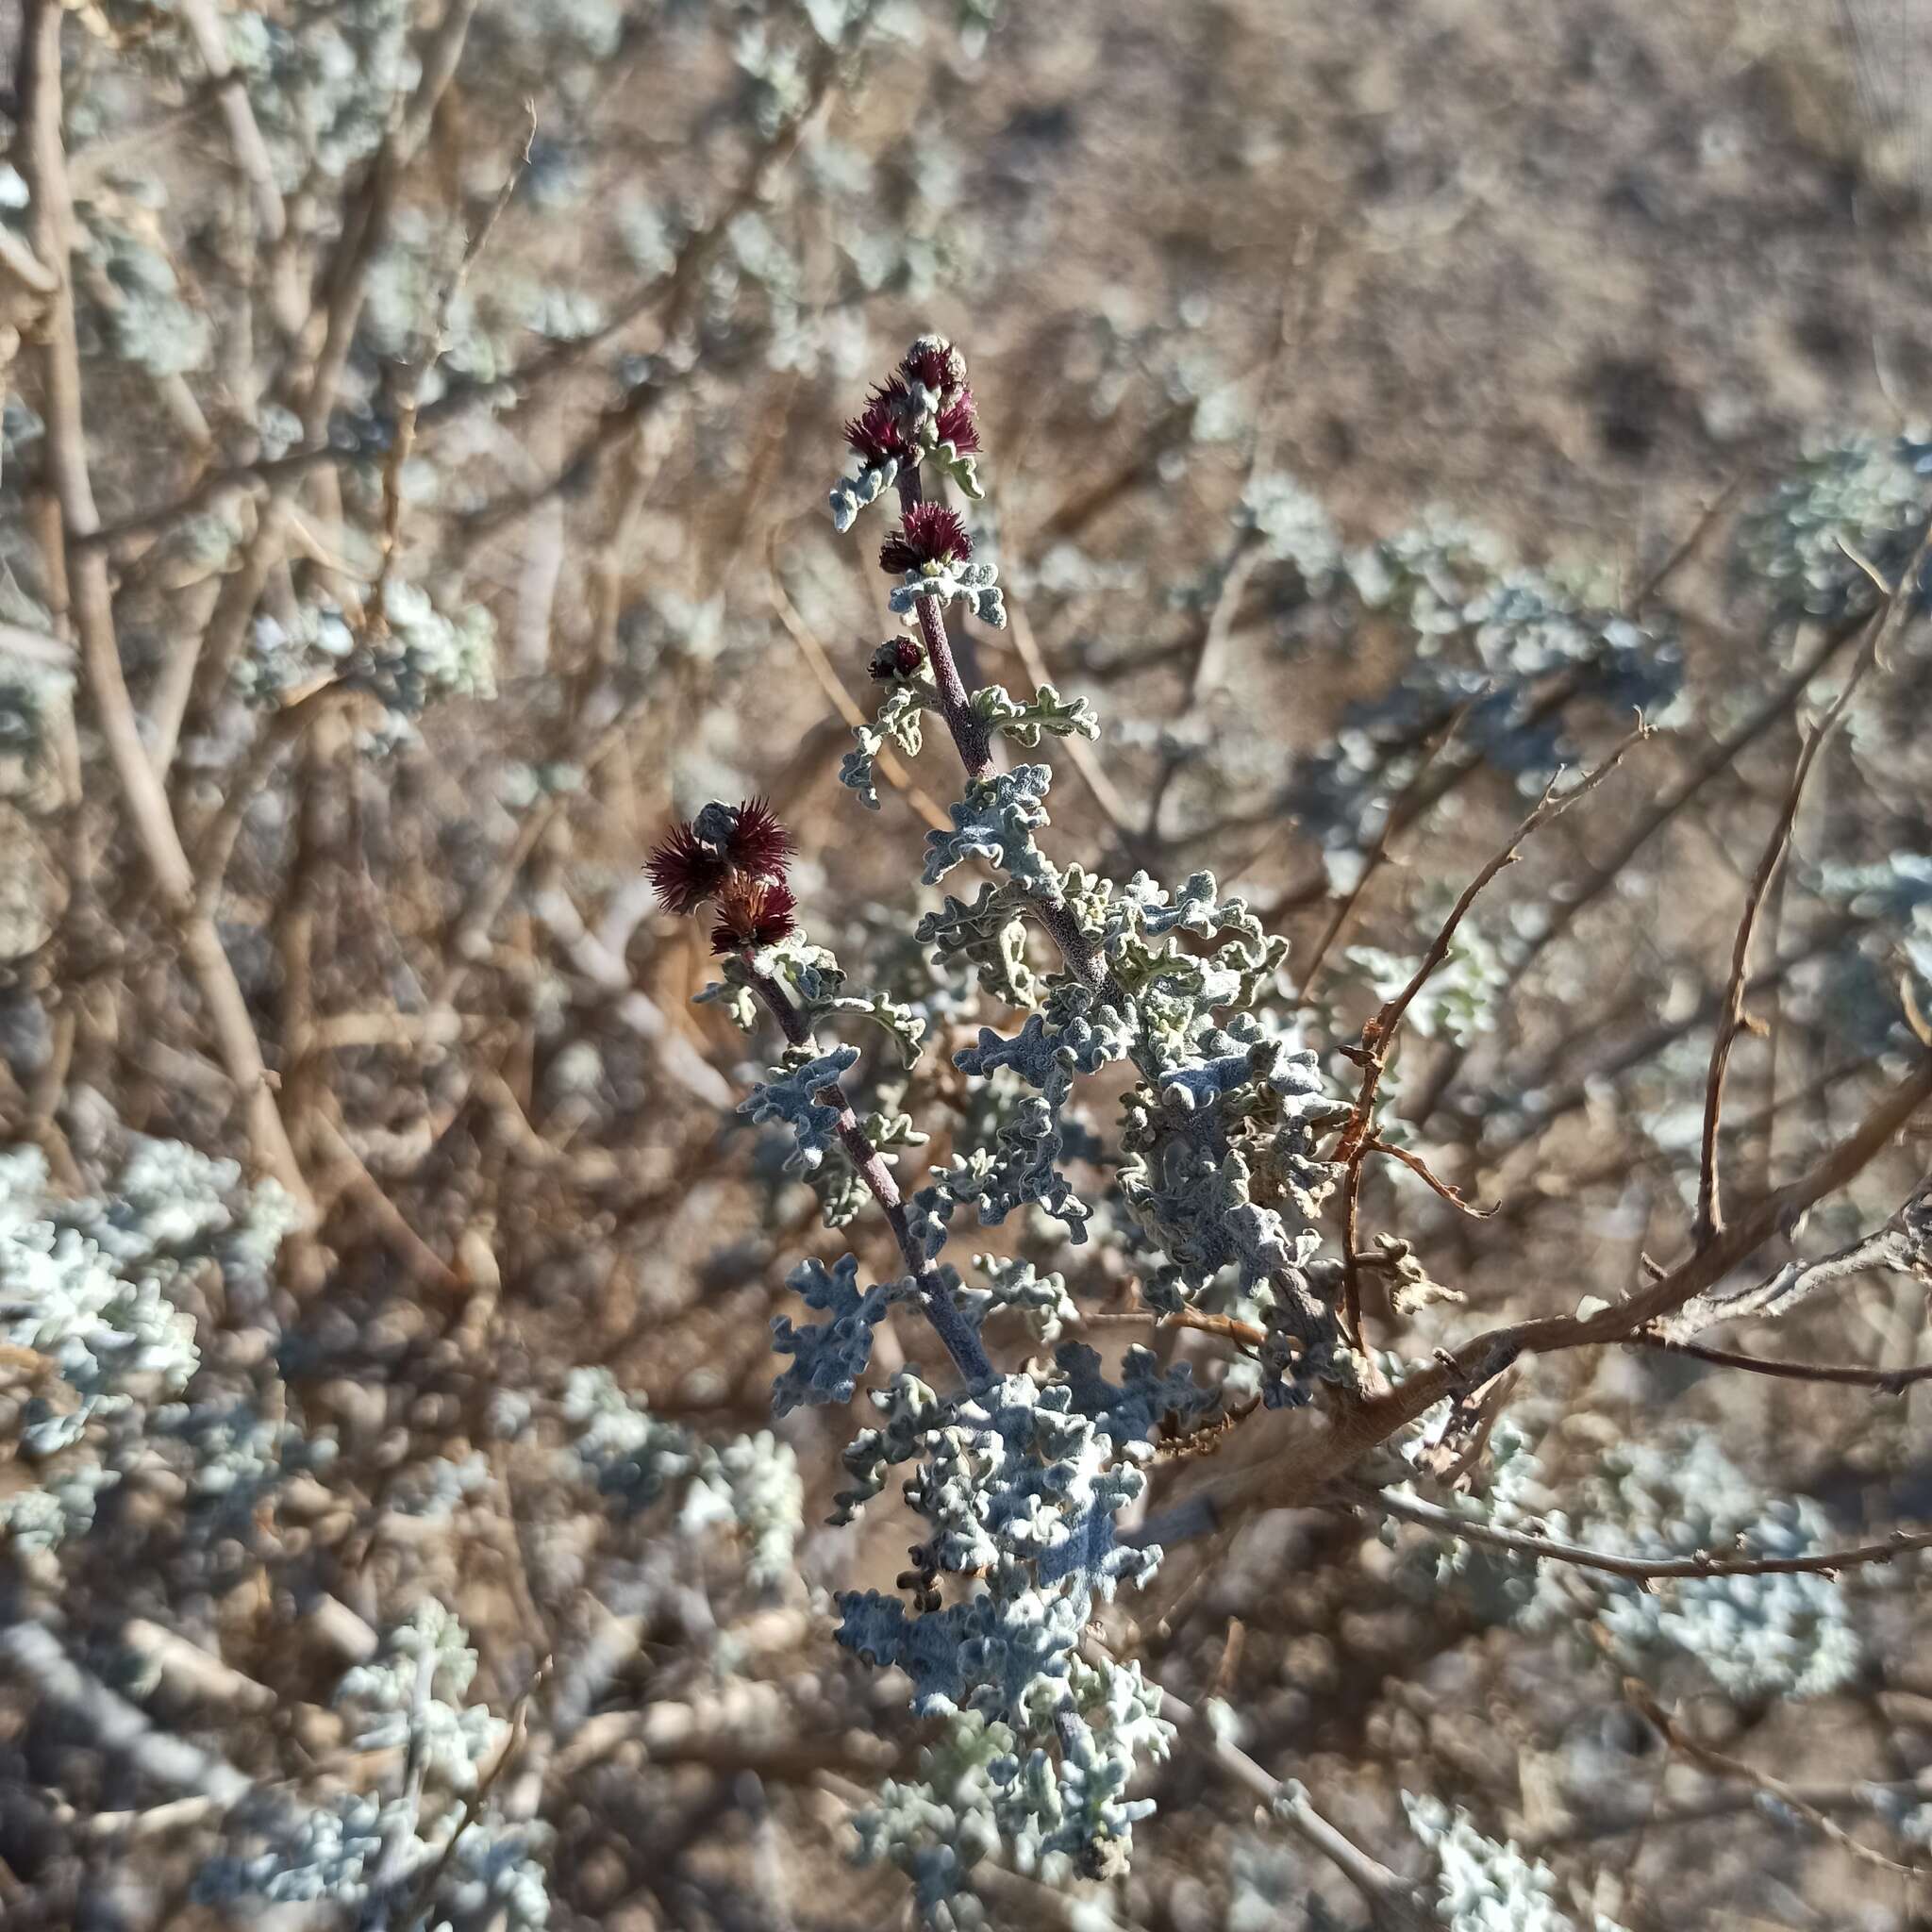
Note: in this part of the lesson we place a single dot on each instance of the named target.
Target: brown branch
(958, 1336)
(1295, 1481)
(1392, 1900)
(1858, 1796)
(1549, 806)
(1903, 1244)
(1419, 1167)
(1489, 1354)
(1440, 1522)
(404, 441)
(1681, 1741)
(1849, 1375)
(1244, 1334)
(1574, 1092)
(1884, 627)
(141, 791)
(1687, 547)
(209, 31)
(366, 228)
(1379, 1031)
(678, 293)
(1393, 820)
(284, 729)
(1718, 759)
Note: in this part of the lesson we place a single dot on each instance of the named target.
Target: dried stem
(1379, 1031)
(1431, 1516)
(1296, 1481)
(1378, 856)
(1884, 627)
(141, 791)
(1775, 1788)
(1850, 1374)
(1391, 1898)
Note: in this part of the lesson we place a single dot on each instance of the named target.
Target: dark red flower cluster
(931, 534)
(934, 361)
(958, 424)
(751, 913)
(895, 657)
(734, 855)
(885, 427)
(878, 432)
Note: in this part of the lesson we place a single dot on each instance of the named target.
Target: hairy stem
(959, 1336)
(969, 733)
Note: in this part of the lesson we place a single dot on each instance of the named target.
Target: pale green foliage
(900, 721)
(1045, 711)
(1484, 1886)
(1863, 498)
(635, 1459)
(91, 1285)
(389, 1707)
(1755, 1636)
(148, 323)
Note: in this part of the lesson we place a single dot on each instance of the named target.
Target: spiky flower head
(897, 657)
(683, 871)
(958, 424)
(878, 432)
(935, 363)
(700, 857)
(760, 845)
(753, 912)
(931, 534)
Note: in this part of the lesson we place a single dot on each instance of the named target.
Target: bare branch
(1681, 1741)
(1851, 1374)
(1885, 625)
(1431, 1516)
(1903, 1244)
(142, 791)
(1394, 1900)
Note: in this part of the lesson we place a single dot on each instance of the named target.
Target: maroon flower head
(958, 424)
(934, 361)
(931, 534)
(684, 869)
(751, 913)
(706, 857)
(878, 432)
(759, 843)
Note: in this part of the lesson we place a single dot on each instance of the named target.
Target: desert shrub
(1228, 1232)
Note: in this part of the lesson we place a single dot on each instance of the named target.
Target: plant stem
(969, 732)
(145, 801)
(959, 1336)
(970, 741)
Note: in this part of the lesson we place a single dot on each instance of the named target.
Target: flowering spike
(931, 534)
(751, 913)
(685, 871)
